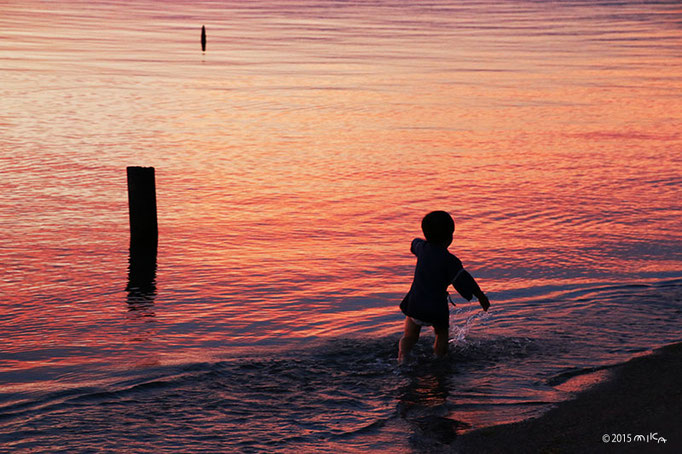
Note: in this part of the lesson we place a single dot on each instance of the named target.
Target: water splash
(459, 330)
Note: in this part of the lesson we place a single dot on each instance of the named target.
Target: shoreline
(642, 396)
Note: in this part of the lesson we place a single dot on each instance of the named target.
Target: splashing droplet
(459, 331)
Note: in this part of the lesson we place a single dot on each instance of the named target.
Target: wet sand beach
(642, 397)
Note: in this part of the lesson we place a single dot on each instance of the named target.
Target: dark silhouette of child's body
(426, 304)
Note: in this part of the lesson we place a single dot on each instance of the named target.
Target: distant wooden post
(203, 38)
(144, 230)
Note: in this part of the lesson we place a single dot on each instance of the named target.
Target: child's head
(438, 227)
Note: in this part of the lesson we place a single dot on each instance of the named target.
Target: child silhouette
(426, 304)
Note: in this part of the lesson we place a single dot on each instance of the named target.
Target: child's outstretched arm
(482, 299)
(466, 285)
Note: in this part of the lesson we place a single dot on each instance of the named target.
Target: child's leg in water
(440, 346)
(410, 337)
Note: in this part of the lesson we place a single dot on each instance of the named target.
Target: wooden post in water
(203, 38)
(144, 230)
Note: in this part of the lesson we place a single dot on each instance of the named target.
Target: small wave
(337, 390)
(580, 379)
(563, 377)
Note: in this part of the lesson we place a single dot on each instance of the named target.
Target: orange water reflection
(296, 158)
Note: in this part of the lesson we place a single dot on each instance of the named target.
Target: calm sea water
(294, 161)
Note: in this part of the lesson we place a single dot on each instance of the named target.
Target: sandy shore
(642, 397)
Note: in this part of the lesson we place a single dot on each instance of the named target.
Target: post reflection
(141, 286)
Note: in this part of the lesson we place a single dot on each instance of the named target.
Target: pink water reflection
(297, 156)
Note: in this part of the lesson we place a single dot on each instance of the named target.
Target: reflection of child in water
(426, 304)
